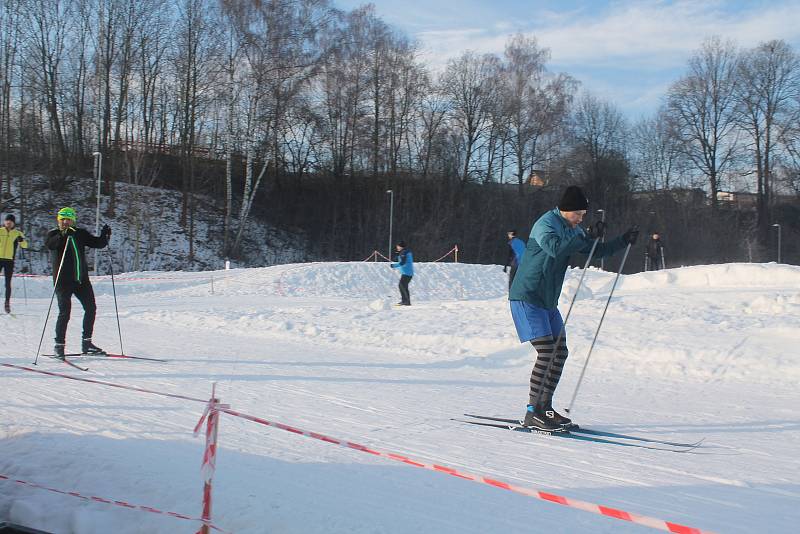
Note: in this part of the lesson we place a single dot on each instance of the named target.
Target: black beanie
(10, 217)
(401, 244)
(573, 199)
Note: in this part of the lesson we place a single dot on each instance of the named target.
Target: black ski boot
(557, 418)
(87, 347)
(538, 419)
(58, 351)
(8, 306)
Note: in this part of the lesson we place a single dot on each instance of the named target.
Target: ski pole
(116, 308)
(25, 285)
(566, 318)
(52, 297)
(597, 332)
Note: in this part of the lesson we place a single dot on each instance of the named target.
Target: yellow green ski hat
(67, 213)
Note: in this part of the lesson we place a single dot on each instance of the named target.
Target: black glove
(631, 235)
(69, 230)
(505, 269)
(106, 231)
(20, 239)
(597, 231)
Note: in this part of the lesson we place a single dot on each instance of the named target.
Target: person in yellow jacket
(10, 239)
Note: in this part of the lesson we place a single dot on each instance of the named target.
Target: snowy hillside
(701, 352)
(147, 233)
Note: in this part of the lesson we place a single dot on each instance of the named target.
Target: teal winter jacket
(405, 262)
(544, 264)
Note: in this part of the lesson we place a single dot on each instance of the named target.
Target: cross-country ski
(594, 432)
(566, 434)
(65, 361)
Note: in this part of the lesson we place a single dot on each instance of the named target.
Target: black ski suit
(655, 251)
(73, 278)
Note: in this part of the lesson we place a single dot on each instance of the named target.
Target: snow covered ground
(701, 352)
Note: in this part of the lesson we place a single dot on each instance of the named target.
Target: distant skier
(516, 248)
(71, 277)
(536, 289)
(405, 262)
(655, 253)
(10, 239)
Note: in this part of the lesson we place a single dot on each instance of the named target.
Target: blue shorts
(533, 322)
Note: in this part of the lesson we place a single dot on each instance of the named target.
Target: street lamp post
(778, 226)
(391, 219)
(603, 240)
(98, 166)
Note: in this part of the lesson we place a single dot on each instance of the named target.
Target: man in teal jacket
(535, 291)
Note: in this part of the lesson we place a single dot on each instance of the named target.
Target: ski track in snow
(702, 352)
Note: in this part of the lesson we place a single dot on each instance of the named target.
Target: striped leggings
(542, 388)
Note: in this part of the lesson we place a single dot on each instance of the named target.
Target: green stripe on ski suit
(77, 259)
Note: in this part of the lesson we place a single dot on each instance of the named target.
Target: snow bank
(432, 281)
(356, 280)
(728, 275)
(460, 281)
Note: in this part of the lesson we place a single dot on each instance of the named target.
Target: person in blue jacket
(534, 294)
(405, 262)
(516, 248)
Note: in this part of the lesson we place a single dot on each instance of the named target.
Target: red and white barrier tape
(103, 500)
(659, 524)
(376, 254)
(209, 464)
(101, 382)
(454, 249)
(536, 494)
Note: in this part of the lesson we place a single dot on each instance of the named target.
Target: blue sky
(625, 51)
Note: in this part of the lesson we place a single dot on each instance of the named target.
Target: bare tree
(656, 152)
(146, 123)
(406, 81)
(379, 45)
(768, 89)
(231, 97)
(196, 68)
(535, 102)
(790, 140)
(471, 84)
(600, 131)
(702, 105)
(599, 127)
(10, 17)
(48, 34)
(433, 108)
(280, 43)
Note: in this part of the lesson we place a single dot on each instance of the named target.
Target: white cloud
(657, 34)
(636, 35)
